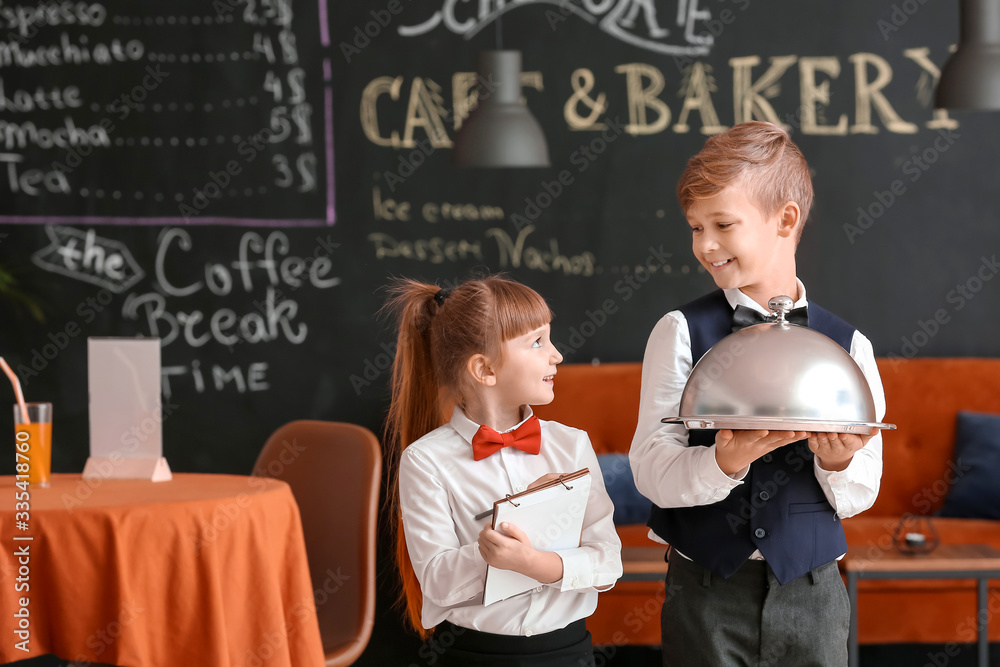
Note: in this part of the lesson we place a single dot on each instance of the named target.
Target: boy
(763, 590)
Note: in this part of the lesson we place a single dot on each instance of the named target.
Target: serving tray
(776, 424)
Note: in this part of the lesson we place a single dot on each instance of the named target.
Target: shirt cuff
(833, 477)
(836, 481)
(577, 572)
(712, 475)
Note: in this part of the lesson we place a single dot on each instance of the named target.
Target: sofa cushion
(974, 493)
(922, 397)
(630, 505)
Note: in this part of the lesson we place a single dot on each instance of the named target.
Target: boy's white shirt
(671, 474)
(441, 491)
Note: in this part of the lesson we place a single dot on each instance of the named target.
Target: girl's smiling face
(527, 374)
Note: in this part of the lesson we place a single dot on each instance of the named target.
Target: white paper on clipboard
(552, 518)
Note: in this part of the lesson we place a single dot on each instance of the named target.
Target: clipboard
(551, 515)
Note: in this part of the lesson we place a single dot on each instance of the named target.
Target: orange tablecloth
(201, 570)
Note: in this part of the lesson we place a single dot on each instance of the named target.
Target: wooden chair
(334, 470)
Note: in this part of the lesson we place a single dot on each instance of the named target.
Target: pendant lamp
(500, 132)
(970, 79)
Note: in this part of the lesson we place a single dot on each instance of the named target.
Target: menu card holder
(552, 517)
(126, 414)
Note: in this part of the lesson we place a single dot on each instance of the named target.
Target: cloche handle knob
(779, 306)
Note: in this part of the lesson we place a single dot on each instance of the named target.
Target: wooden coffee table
(948, 561)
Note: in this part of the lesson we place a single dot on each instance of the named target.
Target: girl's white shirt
(441, 491)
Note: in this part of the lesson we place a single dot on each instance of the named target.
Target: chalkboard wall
(286, 159)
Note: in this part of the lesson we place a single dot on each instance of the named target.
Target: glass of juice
(38, 430)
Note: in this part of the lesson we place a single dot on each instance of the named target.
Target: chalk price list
(286, 137)
(285, 85)
(189, 111)
(22, 549)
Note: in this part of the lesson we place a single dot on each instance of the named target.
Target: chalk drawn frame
(331, 214)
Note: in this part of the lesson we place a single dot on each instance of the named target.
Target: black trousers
(455, 646)
(750, 620)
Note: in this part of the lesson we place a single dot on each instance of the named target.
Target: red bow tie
(527, 437)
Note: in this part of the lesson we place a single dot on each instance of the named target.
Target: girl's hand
(513, 551)
(735, 450)
(836, 450)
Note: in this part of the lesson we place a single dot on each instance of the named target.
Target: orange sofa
(923, 398)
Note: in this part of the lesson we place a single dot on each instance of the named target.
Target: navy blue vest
(780, 507)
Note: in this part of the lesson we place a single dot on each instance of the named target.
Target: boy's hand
(834, 451)
(735, 450)
(516, 553)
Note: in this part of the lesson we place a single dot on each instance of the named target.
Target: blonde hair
(759, 155)
(439, 330)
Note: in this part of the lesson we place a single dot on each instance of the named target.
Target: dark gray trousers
(749, 620)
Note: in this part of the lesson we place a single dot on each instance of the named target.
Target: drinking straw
(17, 390)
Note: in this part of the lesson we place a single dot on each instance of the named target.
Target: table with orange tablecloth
(203, 570)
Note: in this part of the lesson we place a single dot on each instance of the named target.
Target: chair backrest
(334, 470)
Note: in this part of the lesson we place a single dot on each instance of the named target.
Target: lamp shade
(501, 132)
(970, 79)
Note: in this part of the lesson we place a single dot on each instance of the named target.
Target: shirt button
(575, 582)
(764, 495)
(519, 488)
(767, 458)
(538, 589)
(760, 532)
(528, 632)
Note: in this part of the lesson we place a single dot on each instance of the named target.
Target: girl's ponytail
(413, 412)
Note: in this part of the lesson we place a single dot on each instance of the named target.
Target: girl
(485, 348)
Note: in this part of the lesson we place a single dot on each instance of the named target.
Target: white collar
(737, 298)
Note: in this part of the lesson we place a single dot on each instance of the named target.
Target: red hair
(762, 157)
(438, 332)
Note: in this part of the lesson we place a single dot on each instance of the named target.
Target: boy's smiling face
(740, 246)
